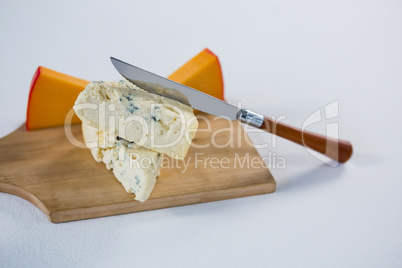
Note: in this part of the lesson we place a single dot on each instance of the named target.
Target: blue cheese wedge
(136, 168)
(148, 120)
(97, 141)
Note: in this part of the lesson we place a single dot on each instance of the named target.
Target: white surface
(291, 58)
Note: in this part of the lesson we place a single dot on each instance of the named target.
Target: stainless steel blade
(168, 88)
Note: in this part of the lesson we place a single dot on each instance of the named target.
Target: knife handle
(338, 150)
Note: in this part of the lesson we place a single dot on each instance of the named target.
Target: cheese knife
(338, 150)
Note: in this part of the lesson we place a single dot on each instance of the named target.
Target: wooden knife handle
(338, 150)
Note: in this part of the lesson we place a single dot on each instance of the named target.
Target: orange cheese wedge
(203, 72)
(53, 94)
(51, 97)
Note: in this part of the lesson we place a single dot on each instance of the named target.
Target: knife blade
(338, 150)
(168, 88)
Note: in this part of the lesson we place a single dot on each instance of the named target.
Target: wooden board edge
(24, 194)
(159, 203)
(5, 138)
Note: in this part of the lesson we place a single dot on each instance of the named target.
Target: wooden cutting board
(66, 183)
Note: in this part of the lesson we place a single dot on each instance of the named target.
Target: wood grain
(338, 150)
(65, 182)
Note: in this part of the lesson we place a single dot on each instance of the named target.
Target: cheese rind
(51, 97)
(151, 121)
(136, 168)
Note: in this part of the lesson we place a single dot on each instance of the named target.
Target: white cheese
(136, 168)
(97, 140)
(151, 121)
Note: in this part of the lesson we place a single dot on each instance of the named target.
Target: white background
(281, 58)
